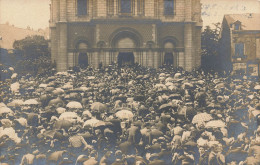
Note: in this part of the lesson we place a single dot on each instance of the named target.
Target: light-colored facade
(240, 43)
(148, 32)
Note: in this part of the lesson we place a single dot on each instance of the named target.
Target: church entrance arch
(125, 41)
(169, 56)
(126, 47)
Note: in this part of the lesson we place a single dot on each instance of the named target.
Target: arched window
(125, 6)
(140, 7)
(82, 7)
(110, 7)
(168, 7)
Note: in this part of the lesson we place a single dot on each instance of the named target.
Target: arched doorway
(168, 56)
(82, 48)
(168, 59)
(83, 60)
(125, 59)
(126, 47)
(126, 41)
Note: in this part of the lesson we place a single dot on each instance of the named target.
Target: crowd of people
(129, 116)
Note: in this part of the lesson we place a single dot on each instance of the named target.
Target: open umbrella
(15, 103)
(169, 84)
(162, 75)
(165, 107)
(91, 77)
(49, 89)
(21, 121)
(177, 75)
(58, 91)
(31, 102)
(215, 124)
(56, 102)
(14, 76)
(124, 114)
(91, 122)
(99, 107)
(5, 110)
(146, 76)
(60, 110)
(43, 85)
(15, 87)
(187, 85)
(87, 113)
(157, 86)
(155, 133)
(63, 124)
(67, 86)
(169, 79)
(101, 124)
(139, 77)
(257, 87)
(71, 116)
(201, 117)
(74, 104)
(2, 105)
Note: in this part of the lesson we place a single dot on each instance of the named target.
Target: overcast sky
(36, 13)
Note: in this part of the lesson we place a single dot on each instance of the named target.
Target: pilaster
(181, 60)
(54, 44)
(63, 10)
(198, 47)
(188, 10)
(189, 62)
(62, 62)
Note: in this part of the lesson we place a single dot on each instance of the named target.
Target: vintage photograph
(129, 82)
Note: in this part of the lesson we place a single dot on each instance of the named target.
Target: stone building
(148, 32)
(240, 43)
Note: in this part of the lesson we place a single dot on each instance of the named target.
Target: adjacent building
(148, 32)
(240, 43)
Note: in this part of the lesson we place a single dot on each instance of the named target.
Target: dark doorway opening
(83, 60)
(126, 59)
(168, 59)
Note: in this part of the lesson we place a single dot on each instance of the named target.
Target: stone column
(144, 59)
(189, 63)
(63, 10)
(62, 59)
(181, 60)
(71, 59)
(156, 60)
(150, 58)
(95, 59)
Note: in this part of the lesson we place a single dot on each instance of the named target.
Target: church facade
(151, 33)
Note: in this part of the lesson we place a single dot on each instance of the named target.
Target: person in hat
(107, 159)
(134, 134)
(77, 142)
(215, 156)
(204, 156)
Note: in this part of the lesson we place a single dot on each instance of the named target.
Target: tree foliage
(210, 61)
(32, 47)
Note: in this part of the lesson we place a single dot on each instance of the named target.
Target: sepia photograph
(129, 82)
